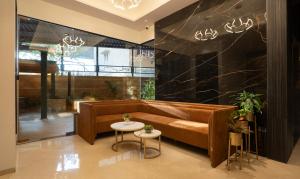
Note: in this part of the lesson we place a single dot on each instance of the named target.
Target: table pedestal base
(116, 144)
(143, 143)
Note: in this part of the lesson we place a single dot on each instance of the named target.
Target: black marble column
(53, 85)
(44, 85)
(282, 96)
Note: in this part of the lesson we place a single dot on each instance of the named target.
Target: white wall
(56, 14)
(7, 85)
(147, 34)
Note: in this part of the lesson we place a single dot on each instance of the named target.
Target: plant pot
(126, 119)
(235, 138)
(242, 118)
(244, 124)
(148, 131)
(249, 116)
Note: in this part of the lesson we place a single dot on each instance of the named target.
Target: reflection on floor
(295, 157)
(32, 128)
(72, 157)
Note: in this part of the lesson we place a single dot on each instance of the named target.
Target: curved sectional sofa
(200, 125)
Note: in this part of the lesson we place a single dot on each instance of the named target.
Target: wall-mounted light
(238, 26)
(69, 45)
(207, 34)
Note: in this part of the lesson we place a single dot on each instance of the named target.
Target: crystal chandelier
(238, 26)
(207, 34)
(73, 41)
(69, 45)
(126, 4)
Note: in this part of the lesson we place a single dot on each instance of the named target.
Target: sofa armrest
(86, 123)
(218, 136)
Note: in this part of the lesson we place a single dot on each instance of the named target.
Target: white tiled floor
(32, 128)
(72, 157)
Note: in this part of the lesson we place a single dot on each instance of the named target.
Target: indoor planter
(148, 128)
(236, 126)
(249, 104)
(240, 117)
(235, 138)
(249, 116)
(126, 117)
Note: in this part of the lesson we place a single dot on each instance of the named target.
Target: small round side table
(143, 138)
(129, 126)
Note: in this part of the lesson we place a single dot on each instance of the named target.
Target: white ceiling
(146, 14)
(144, 8)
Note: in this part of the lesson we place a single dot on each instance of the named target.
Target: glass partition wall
(59, 67)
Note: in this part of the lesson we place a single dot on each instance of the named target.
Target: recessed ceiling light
(126, 4)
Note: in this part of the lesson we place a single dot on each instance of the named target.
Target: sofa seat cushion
(152, 118)
(194, 133)
(190, 125)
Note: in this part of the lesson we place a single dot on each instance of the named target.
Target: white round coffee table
(129, 126)
(144, 136)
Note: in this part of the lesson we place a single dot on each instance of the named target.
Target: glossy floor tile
(72, 157)
(295, 157)
(32, 128)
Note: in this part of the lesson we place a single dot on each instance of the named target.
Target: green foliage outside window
(148, 91)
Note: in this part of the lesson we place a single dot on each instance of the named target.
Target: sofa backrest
(180, 112)
(186, 111)
(164, 110)
(198, 115)
(185, 104)
(115, 108)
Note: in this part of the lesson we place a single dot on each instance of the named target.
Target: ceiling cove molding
(59, 15)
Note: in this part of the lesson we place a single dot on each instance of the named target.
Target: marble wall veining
(210, 70)
(211, 50)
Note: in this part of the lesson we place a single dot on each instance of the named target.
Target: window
(29, 55)
(114, 61)
(81, 63)
(144, 62)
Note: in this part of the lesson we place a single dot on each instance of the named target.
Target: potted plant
(249, 103)
(126, 117)
(148, 128)
(236, 128)
(240, 118)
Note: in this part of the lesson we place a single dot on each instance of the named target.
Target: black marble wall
(211, 50)
(210, 71)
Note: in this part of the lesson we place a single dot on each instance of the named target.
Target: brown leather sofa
(201, 125)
